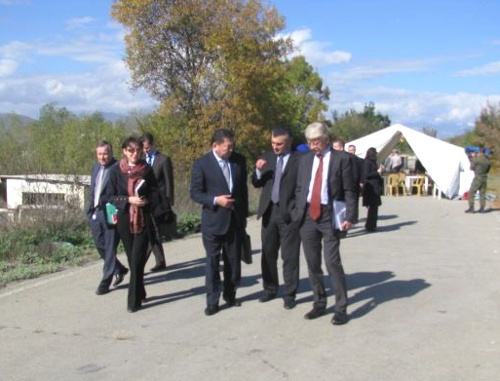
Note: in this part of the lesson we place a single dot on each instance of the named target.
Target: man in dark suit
(162, 168)
(104, 235)
(276, 173)
(324, 176)
(219, 184)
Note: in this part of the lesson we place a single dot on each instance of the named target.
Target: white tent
(447, 164)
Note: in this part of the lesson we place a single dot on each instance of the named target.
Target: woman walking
(373, 184)
(133, 190)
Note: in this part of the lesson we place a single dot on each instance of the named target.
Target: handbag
(246, 249)
(111, 214)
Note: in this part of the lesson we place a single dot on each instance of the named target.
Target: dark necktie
(315, 204)
(275, 193)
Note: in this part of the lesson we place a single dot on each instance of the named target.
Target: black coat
(373, 184)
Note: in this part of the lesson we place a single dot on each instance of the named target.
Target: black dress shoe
(470, 210)
(211, 310)
(289, 303)
(233, 302)
(316, 312)
(102, 290)
(266, 297)
(133, 309)
(340, 318)
(158, 267)
(119, 277)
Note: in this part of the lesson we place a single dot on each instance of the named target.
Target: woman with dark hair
(133, 191)
(373, 184)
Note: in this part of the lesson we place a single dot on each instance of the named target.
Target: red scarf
(134, 175)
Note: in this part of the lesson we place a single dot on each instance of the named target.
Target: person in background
(104, 235)
(276, 173)
(324, 176)
(134, 192)
(396, 162)
(162, 169)
(372, 186)
(481, 165)
(338, 145)
(357, 170)
(219, 184)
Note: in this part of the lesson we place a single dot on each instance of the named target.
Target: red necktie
(315, 204)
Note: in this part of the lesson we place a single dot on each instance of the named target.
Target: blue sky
(432, 64)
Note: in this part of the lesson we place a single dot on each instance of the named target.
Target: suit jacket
(357, 169)
(207, 182)
(340, 184)
(287, 185)
(89, 210)
(162, 168)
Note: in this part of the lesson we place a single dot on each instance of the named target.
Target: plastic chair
(402, 183)
(392, 184)
(419, 185)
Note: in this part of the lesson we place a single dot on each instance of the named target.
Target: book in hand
(111, 214)
(140, 188)
(339, 211)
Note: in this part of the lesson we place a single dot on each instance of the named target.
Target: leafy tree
(13, 137)
(211, 63)
(302, 94)
(58, 142)
(487, 129)
(353, 125)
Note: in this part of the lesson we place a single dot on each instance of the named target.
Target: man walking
(276, 174)
(324, 176)
(219, 184)
(104, 235)
(163, 171)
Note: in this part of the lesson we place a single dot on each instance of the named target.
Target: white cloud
(7, 67)
(450, 114)
(317, 53)
(491, 68)
(79, 22)
(101, 86)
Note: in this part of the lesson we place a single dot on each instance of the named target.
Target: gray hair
(317, 130)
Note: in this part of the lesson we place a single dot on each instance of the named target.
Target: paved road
(424, 303)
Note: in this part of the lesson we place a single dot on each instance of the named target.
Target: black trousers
(136, 246)
(156, 244)
(315, 235)
(371, 217)
(106, 242)
(276, 234)
(227, 247)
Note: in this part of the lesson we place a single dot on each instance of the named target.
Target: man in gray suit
(104, 235)
(162, 168)
(324, 176)
(276, 173)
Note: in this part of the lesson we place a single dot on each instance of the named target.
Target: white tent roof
(447, 164)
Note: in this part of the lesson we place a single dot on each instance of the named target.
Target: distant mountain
(8, 120)
(112, 116)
